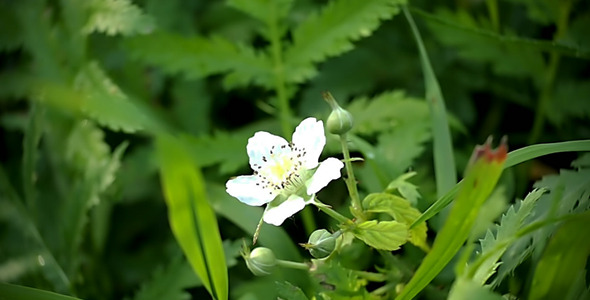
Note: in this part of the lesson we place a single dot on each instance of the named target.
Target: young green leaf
(384, 235)
(401, 210)
(482, 175)
(192, 220)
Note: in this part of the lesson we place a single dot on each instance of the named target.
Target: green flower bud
(321, 243)
(340, 120)
(261, 261)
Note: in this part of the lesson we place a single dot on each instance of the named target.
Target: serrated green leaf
(331, 32)
(192, 220)
(490, 210)
(493, 245)
(464, 289)
(93, 169)
(18, 292)
(169, 282)
(106, 103)
(117, 17)
(568, 195)
(288, 291)
(386, 111)
(564, 258)
(197, 57)
(94, 95)
(384, 235)
(482, 174)
(404, 188)
(401, 210)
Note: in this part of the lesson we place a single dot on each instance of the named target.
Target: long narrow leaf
(482, 175)
(444, 161)
(51, 268)
(514, 158)
(17, 292)
(192, 220)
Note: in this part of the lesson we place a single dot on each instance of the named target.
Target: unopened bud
(261, 261)
(340, 120)
(321, 243)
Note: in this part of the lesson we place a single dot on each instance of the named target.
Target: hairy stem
(330, 212)
(357, 209)
(292, 265)
(283, 101)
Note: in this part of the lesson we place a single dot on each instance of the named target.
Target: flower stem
(332, 213)
(280, 87)
(357, 209)
(377, 277)
(292, 265)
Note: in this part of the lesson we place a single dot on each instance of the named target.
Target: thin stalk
(370, 276)
(279, 75)
(332, 213)
(285, 115)
(548, 82)
(292, 265)
(357, 209)
(492, 6)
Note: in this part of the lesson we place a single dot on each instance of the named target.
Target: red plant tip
(499, 154)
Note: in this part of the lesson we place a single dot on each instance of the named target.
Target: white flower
(286, 175)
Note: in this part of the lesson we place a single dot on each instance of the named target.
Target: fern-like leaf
(331, 32)
(390, 108)
(117, 17)
(169, 282)
(511, 222)
(569, 193)
(197, 57)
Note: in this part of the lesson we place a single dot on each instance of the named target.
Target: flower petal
(245, 189)
(310, 136)
(276, 215)
(260, 146)
(328, 170)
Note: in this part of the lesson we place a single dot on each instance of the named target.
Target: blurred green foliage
(88, 87)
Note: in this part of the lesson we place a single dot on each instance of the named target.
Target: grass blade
(482, 175)
(514, 158)
(444, 161)
(192, 220)
(18, 292)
